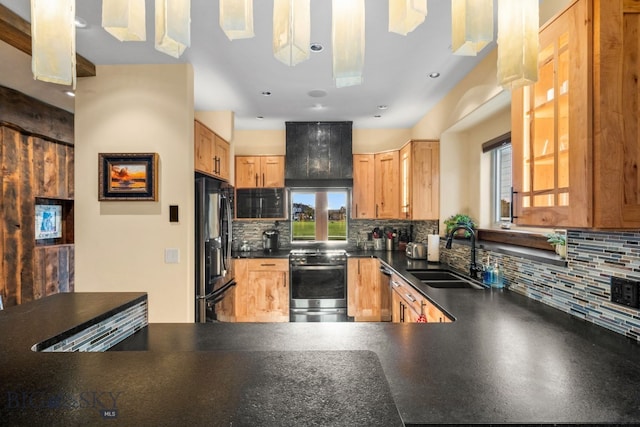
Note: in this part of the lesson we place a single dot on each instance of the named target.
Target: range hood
(319, 155)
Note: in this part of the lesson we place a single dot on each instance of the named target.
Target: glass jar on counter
(245, 246)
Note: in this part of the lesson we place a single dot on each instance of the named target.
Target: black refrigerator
(214, 269)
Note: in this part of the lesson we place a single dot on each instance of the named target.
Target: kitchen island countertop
(505, 359)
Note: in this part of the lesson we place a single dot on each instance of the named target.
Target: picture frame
(128, 176)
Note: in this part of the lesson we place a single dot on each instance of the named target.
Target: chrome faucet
(473, 268)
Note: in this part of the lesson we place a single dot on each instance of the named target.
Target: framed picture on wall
(128, 176)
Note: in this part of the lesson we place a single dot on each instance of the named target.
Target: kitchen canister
(378, 244)
(433, 248)
(389, 244)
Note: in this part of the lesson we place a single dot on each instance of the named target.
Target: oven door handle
(318, 310)
(317, 267)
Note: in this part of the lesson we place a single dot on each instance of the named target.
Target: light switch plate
(171, 256)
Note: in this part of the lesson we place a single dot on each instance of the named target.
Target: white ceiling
(231, 75)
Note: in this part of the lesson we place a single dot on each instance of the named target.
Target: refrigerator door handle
(225, 240)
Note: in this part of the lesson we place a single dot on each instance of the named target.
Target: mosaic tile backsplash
(251, 231)
(582, 288)
(104, 335)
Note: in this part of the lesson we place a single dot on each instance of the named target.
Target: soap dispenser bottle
(488, 272)
(498, 277)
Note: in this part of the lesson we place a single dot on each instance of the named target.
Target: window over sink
(319, 215)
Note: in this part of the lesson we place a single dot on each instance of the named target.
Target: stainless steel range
(318, 285)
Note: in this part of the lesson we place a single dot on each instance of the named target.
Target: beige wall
(466, 171)
(221, 122)
(259, 142)
(263, 142)
(476, 89)
(120, 246)
(366, 141)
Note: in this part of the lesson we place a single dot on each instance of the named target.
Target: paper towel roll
(433, 248)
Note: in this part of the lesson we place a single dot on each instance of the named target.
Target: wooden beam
(16, 32)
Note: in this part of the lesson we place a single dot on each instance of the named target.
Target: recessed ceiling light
(80, 22)
(317, 93)
(70, 93)
(316, 47)
(266, 93)
(434, 75)
(382, 107)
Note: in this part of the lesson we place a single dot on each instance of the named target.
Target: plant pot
(561, 250)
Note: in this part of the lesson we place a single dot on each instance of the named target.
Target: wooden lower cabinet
(261, 293)
(406, 303)
(226, 308)
(367, 291)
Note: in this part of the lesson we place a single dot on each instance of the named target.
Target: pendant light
(124, 19)
(518, 44)
(291, 30)
(236, 18)
(53, 41)
(347, 34)
(406, 15)
(173, 26)
(471, 26)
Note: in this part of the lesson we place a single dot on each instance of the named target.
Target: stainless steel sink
(444, 279)
(435, 275)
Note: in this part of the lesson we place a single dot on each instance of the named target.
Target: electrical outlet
(625, 292)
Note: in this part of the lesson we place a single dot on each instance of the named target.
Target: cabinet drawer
(270, 264)
(413, 299)
(407, 292)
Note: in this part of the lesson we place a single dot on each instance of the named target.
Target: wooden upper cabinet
(616, 134)
(551, 136)
(576, 132)
(212, 153)
(223, 154)
(204, 147)
(259, 172)
(272, 168)
(363, 203)
(420, 180)
(387, 185)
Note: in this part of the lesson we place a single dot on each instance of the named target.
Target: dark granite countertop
(505, 359)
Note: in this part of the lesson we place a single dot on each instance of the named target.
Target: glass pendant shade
(124, 19)
(518, 44)
(291, 30)
(173, 26)
(236, 18)
(53, 41)
(348, 41)
(406, 15)
(471, 26)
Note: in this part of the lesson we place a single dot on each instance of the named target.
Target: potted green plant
(559, 242)
(459, 219)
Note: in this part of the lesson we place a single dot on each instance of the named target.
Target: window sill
(533, 254)
(524, 244)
